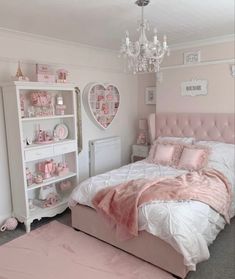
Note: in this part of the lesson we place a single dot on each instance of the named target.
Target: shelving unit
(22, 156)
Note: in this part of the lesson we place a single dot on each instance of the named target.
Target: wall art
(194, 88)
(150, 96)
(192, 57)
(102, 102)
(233, 70)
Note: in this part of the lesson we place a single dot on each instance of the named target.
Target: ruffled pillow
(193, 158)
(165, 153)
(152, 152)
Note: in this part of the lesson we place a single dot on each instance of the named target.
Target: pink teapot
(10, 224)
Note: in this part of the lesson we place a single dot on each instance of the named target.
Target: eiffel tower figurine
(19, 75)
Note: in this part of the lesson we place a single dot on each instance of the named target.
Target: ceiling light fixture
(144, 55)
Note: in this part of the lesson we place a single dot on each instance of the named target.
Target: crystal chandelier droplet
(144, 55)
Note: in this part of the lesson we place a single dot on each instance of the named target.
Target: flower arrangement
(40, 99)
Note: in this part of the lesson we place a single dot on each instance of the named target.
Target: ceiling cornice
(50, 40)
(205, 42)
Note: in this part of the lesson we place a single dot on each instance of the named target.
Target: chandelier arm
(133, 54)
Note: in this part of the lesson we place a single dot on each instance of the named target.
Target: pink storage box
(46, 78)
(44, 73)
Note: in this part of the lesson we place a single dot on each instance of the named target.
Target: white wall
(85, 65)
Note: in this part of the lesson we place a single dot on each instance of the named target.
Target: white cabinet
(42, 156)
(139, 152)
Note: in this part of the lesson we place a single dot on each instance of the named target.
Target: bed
(167, 253)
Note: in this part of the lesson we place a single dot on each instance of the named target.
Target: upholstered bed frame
(217, 127)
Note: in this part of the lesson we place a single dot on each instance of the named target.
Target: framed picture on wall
(194, 88)
(192, 57)
(150, 96)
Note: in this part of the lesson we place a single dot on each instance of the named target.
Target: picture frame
(192, 57)
(194, 88)
(233, 70)
(150, 95)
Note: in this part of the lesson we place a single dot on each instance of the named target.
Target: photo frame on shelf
(150, 95)
(192, 57)
(194, 88)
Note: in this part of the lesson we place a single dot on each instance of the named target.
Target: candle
(127, 38)
(155, 36)
(164, 41)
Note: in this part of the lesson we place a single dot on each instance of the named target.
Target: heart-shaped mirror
(103, 101)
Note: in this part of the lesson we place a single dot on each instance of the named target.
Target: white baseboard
(3, 217)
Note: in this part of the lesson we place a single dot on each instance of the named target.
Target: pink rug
(56, 251)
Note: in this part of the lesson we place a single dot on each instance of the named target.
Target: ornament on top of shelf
(60, 106)
(51, 200)
(31, 204)
(19, 75)
(61, 132)
(62, 169)
(43, 137)
(47, 168)
(22, 103)
(48, 196)
(45, 73)
(29, 177)
(38, 179)
(40, 98)
(62, 76)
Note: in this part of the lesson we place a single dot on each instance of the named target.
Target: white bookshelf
(22, 156)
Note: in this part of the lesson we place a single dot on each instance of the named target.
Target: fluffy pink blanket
(119, 204)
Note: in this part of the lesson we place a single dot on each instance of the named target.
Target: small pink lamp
(143, 132)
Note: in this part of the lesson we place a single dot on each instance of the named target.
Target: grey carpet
(221, 264)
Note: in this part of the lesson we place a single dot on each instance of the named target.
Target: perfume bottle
(60, 107)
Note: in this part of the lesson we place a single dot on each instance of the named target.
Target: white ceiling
(102, 23)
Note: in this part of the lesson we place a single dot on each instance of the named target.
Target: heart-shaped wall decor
(103, 101)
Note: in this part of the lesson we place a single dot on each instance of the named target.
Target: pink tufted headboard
(202, 126)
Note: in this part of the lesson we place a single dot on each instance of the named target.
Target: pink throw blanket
(120, 203)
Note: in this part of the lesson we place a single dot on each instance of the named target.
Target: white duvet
(188, 226)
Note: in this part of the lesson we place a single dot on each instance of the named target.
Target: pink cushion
(164, 154)
(152, 152)
(193, 158)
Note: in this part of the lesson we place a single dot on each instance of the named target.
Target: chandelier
(144, 55)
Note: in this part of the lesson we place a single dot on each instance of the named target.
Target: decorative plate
(102, 101)
(61, 131)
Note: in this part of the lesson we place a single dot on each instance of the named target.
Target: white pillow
(177, 139)
(222, 158)
(221, 154)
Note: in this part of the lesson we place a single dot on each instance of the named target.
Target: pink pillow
(193, 158)
(152, 152)
(165, 153)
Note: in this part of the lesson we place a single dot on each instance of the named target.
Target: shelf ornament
(19, 75)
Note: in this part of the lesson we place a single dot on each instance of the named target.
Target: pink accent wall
(220, 97)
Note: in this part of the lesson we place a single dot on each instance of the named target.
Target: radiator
(105, 155)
